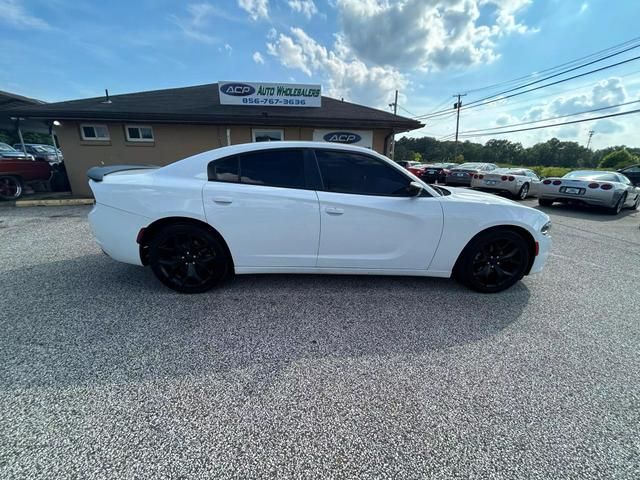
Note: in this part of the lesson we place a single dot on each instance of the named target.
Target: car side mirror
(415, 189)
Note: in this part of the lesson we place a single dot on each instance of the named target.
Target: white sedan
(308, 207)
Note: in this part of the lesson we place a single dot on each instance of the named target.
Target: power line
(402, 108)
(475, 105)
(571, 62)
(555, 118)
(463, 134)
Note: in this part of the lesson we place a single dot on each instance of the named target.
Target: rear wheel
(10, 188)
(188, 258)
(544, 202)
(493, 261)
(617, 208)
(524, 191)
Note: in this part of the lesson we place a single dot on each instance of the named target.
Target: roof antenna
(106, 94)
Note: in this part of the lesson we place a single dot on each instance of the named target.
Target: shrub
(618, 159)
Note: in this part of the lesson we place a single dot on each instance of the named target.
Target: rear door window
(274, 168)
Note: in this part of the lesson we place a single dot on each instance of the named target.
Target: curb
(54, 203)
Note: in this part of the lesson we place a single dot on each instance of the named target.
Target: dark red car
(15, 173)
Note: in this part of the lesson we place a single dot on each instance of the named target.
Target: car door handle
(223, 200)
(334, 211)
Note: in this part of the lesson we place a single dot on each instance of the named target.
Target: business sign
(269, 94)
(362, 138)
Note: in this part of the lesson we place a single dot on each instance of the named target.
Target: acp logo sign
(237, 89)
(342, 137)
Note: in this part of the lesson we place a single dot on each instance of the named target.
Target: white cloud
(306, 7)
(258, 58)
(13, 13)
(228, 48)
(257, 9)
(583, 8)
(272, 34)
(195, 25)
(427, 34)
(345, 74)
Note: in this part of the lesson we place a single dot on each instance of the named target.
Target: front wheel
(10, 188)
(188, 258)
(493, 261)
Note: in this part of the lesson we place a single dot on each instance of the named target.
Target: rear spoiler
(98, 173)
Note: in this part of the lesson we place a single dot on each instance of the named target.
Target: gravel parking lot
(107, 374)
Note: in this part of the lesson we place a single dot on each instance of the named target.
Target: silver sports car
(517, 182)
(611, 190)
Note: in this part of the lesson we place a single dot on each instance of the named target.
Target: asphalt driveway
(107, 374)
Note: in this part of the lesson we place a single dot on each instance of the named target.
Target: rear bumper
(490, 189)
(116, 231)
(581, 199)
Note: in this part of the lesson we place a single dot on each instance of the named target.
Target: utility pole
(457, 106)
(591, 132)
(392, 149)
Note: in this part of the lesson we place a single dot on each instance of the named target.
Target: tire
(493, 261)
(188, 258)
(544, 202)
(636, 203)
(10, 188)
(524, 192)
(617, 208)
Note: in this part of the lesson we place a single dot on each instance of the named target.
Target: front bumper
(544, 249)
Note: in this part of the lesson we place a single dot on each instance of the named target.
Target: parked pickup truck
(16, 172)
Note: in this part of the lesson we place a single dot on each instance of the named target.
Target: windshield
(592, 175)
(6, 148)
(470, 165)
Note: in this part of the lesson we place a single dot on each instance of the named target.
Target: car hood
(473, 196)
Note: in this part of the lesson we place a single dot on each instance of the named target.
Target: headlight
(545, 228)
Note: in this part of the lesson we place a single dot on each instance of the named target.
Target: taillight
(475, 176)
(547, 182)
(594, 185)
(557, 182)
(480, 177)
(511, 179)
(504, 178)
(606, 186)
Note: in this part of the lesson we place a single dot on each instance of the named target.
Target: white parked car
(517, 182)
(308, 207)
(611, 190)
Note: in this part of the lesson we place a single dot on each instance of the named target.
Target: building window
(94, 132)
(267, 135)
(139, 133)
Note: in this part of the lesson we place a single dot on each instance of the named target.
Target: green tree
(618, 159)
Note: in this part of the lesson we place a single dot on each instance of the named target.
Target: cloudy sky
(361, 50)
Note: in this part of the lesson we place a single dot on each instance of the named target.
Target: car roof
(196, 165)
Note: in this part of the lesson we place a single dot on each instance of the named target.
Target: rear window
(592, 175)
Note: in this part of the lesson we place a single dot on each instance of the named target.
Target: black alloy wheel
(188, 258)
(493, 261)
(524, 191)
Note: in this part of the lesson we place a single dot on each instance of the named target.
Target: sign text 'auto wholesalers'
(269, 94)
